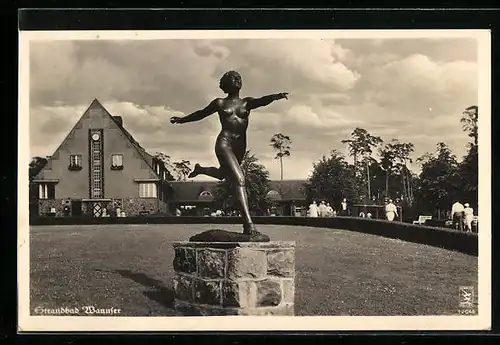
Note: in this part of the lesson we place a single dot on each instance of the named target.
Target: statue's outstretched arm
(253, 103)
(199, 114)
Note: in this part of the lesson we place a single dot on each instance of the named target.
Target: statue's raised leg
(208, 171)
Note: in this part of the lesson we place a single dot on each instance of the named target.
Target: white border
(482, 321)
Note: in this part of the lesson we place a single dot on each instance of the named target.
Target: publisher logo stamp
(466, 300)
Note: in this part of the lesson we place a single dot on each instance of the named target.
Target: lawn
(338, 272)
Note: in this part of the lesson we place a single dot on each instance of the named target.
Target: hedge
(449, 239)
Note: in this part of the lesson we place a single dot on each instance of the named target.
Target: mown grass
(338, 272)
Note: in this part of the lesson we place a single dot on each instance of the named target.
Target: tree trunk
(387, 183)
(281, 164)
(403, 183)
(368, 176)
(355, 165)
(356, 175)
(408, 189)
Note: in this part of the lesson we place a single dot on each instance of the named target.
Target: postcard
(320, 180)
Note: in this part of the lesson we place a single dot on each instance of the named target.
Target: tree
(469, 122)
(256, 182)
(281, 143)
(332, 179)
(182, 169)
(468, 173)
(387, 162)
(36, 165)
(360, 145)
(402, 153)
(377, 178)
(438, 182)
(165, 160)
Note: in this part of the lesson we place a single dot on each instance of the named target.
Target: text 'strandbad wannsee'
(78, 311)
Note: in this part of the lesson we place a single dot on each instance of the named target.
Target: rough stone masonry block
(208, 292)
(288, 290)
(246, 263)
(184, 288)
(190, 309)
(186, 309)
(281, 310)
(268, 293)
(211, 263)
(242, 294)
(281, 262)
(185, 260)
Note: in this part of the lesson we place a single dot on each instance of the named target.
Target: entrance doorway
(76, 208)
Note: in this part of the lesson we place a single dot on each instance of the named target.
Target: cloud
(418, 82)
(413, 89)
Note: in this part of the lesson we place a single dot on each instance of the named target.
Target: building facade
(99, 169)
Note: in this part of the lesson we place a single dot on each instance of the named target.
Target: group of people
(462, 216)
(324, 209)
(391, 211)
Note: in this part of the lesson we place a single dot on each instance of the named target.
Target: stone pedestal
(234, 278)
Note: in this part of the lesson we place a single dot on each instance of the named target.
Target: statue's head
(230, 82)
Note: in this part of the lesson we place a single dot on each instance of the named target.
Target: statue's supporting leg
(242, 198)
(235, 175)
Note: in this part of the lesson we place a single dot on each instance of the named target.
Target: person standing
(343, 206)
(457, 213)
(391, 211)
(329, 210)
(313, 210)
(322, 209)
(469, 216)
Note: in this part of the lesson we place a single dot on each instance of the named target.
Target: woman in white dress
(390, 211)
(313, 210)
(469, 217)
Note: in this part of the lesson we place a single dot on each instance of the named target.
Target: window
(147, 190)
(75, 162)
(205, 196)
(117, 161)
(46, 191)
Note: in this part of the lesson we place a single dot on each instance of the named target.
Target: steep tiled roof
(190, 191)
(148, 158)
(289, 189)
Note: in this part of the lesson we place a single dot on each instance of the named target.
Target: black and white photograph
(254, 180)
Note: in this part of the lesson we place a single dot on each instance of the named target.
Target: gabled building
(100, 168)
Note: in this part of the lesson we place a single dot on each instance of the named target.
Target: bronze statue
(231, 144)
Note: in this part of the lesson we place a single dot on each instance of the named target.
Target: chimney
(119, 120)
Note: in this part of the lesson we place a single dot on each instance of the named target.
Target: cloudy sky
(410, 89)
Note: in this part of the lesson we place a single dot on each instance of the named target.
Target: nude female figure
(231, 144)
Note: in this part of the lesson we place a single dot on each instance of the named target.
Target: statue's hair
(231, 79)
